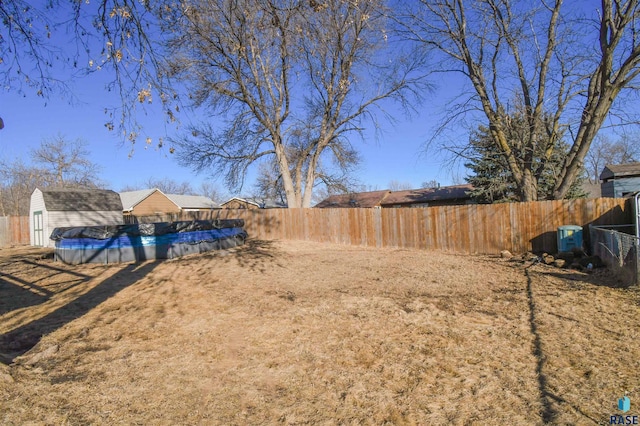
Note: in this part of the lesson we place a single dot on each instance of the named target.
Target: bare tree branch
(574, 74)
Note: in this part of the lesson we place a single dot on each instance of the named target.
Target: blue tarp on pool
(126, 243)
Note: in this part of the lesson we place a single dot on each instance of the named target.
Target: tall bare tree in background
(166, 185)
(555, 60)
(65, 163)
(285, 79)
(396, 185)
(56, 163)
(17, 182)
(605, 151)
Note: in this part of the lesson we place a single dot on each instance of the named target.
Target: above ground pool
(127, 243)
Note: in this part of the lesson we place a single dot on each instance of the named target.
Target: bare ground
(308, 333)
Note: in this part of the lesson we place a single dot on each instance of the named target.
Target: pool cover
(127, 243)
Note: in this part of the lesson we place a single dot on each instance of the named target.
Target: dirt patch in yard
(308, 333)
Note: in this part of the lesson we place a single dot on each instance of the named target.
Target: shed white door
(38, 229)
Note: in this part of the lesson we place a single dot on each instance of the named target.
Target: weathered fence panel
(517, 227)
(14, 230)
(486, 229)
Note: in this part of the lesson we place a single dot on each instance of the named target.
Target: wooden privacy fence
(484, 229)
(14, 230)
(478, 228)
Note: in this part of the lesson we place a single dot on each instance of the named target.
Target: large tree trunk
(293, 196)
(529, 187)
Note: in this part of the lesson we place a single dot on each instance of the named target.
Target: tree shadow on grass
(16, 293)
(547, 398)
(601, 277)
(255, 255)
(21, 289)
(22, 339)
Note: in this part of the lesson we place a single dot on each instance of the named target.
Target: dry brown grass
(308, 333)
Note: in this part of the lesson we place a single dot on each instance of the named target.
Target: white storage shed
(55, 208)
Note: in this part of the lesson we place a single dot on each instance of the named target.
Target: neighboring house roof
(593, 190)
(612, 171)
(130, 199)
(426, 195)
(81, 200)
(258, 202)
(193, 201)
(356, 199)
(267, 203)
(242, 200)
(390, 198)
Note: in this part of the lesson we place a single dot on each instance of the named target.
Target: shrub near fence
(484, 229)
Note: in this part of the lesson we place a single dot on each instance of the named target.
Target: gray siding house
(57, 208)
(620, 180)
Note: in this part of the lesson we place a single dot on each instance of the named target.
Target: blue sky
(396, 153)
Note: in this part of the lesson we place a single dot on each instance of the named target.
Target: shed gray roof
(611, 171)
(81, 200)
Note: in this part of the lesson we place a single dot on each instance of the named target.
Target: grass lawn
(305, 333)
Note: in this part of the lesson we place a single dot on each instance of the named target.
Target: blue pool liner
(126, 243)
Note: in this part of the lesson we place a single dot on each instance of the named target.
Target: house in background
(57, 208)
(620, 180)
(149, 202)
(355, 199)
(430, 197)
(592, 190)
(252, 203)
(423, 197)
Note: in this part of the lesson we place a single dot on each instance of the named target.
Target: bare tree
(66, 163)
(277, 75)
(58, 163)
(285, 76)
(268, 184)
(170, 186)
(212, 191)
(45, 46)
(28, 58)
(166, 185)
(605, 151)
(396, 185)
(548, 58)
(433, 183)
(17, 182)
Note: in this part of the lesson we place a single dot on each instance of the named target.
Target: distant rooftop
(132, 198)
(263, 203)
(355, 199)
(386, 198)
(426, 195)
(193, 201)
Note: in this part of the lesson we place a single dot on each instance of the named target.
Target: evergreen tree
(492, 179)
